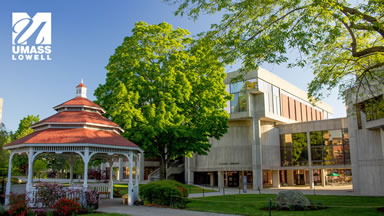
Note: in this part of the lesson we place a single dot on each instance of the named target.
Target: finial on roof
(81, 90)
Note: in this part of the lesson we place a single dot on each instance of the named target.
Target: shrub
(164, 192)
(65, 207)
(48, 194)
(92, 198)
(2, 210)
(18, 205)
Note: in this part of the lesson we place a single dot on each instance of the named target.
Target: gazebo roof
(78, 121)
(74, 136)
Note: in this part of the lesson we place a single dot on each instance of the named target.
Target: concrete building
(366, 125)
(254, 143)
(1, 109)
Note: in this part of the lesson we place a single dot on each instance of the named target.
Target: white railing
(72, 193)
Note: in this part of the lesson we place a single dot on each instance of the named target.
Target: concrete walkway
(116, 206)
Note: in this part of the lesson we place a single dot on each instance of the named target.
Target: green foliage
(39, 166)
(343, 41)
(20, 162)
(164, 192)
(166, 91)
(4, 139)
(25, 126)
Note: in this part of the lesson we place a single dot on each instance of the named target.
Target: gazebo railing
(72, 193)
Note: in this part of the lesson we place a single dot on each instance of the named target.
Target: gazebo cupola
(79, 128)
(81, 90)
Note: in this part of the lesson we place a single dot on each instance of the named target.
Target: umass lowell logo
(31, 37)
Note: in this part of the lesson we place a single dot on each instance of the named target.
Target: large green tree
(20, 162)
(4, 154)
(166, 91)
(341, 40)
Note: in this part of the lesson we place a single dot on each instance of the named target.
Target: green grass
(195, 189)
(250, 204)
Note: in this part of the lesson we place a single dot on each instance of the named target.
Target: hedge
(165, 192)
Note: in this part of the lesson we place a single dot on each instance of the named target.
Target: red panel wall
(291, 108)
(322, 115)
(284, 106)
(309, 113)
(304, 112)
(314, 116)
(318, 115)
(298, 111)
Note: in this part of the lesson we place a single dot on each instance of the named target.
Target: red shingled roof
(74, 136)
(81, 85)
(80, 101)
(77, 117)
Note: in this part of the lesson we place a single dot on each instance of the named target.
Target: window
(228, 108)
(238, 90)
(294, 149)
(374, 108)
(276, 100)
(330, 147)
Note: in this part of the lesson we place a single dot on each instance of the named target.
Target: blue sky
(84, 35)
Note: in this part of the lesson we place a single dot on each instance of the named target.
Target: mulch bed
(380, 209)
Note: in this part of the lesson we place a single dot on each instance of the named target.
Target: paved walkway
(116, 206)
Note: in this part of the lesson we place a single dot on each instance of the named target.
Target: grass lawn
(250, 204)
(195, 189)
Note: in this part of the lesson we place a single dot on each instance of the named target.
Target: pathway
(116, 206)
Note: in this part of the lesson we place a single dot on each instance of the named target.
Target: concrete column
(220, 176)
(212, 179)
(257, 173)
(323, 174)
(311, 183)
(120, 170)
(86, 161)
(189, 171)
(241, 173)
(130, 184)
(8, 187)
(276, 178)
(290, 178)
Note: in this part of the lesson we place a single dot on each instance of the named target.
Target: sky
(84, 35)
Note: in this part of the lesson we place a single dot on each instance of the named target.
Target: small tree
(39, 166)
(166, 91)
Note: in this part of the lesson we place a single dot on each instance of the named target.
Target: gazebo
(79, 128)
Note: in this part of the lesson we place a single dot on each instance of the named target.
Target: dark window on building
(293, 149)
(330, 147)
(374, 108)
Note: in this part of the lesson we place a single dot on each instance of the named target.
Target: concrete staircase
(174, 168)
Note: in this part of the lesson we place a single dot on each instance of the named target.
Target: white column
(130, 184)
(30, 170)
(137, 170)
(276, 178)
(86, 161)
(120, 171)
(111, 178)
(8, 187)
(141, 174)
(220, 180)
(257, 173)
(311, 183)
(212, 179)
(323, 179)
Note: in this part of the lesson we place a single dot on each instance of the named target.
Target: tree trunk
(163, 168)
